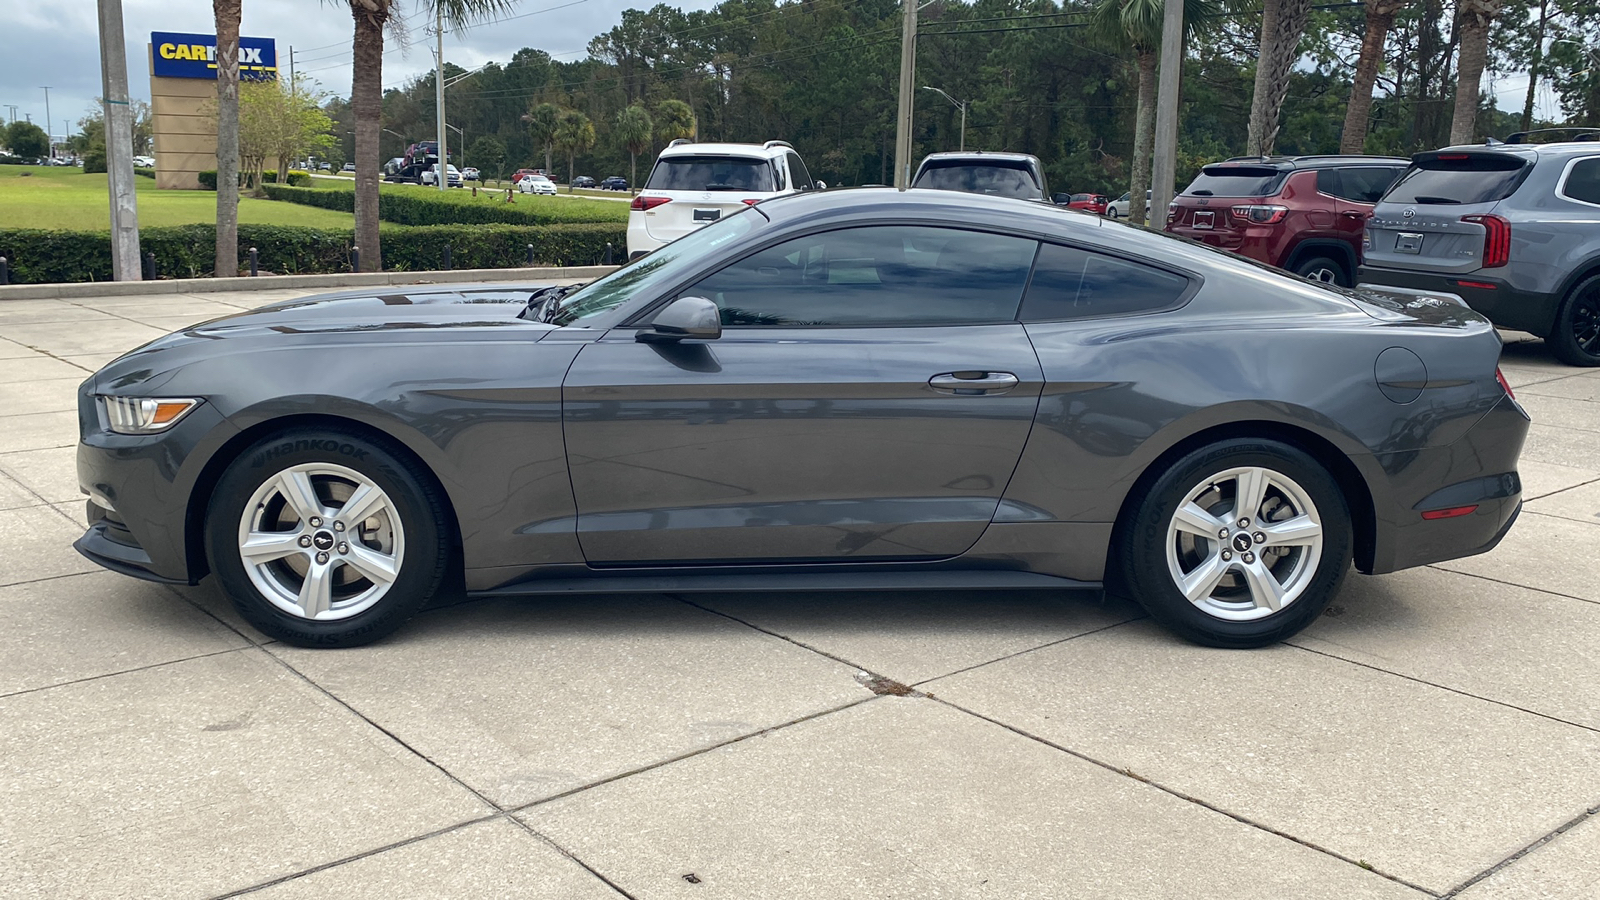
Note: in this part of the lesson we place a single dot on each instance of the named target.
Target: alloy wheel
(1323, 274)
(1244, 543)
(1586, 323)
(321, 541)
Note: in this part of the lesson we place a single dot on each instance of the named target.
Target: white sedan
(536, 184)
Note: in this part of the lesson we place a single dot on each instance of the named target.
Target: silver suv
(1509, 227)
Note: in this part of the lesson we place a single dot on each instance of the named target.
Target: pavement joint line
(572, 856)
(1130, 774)
(395, 845)
(1055, 643)
(1442, 687)
(1555, 492)
(1515, 584)
(782, 637)
(700, 751)
(385, 731)
(48, 577)
(36, 449)
(42, 501)
(46, 353)
(170, 662)
(1575, 821)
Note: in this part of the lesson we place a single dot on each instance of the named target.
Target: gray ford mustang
(842, 390)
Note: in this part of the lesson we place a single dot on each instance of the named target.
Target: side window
(1583, 181)
(1328, 182)
(879, 275)
(777, 176)
(1069, 283)
(798, 174)
(1367, 184)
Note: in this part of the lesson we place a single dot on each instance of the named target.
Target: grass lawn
(66, 198)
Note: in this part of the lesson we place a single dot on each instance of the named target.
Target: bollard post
(5, 268)
(447, 257)
(608, 253)
(150, 266)
(530, 257)
(254, 261)
(355, 259)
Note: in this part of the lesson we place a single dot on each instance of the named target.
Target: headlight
(145, 415)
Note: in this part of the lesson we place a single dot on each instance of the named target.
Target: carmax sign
(176, 55)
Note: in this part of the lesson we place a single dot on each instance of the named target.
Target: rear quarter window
(1360, 184)
(1459, 179)
(1582, 182)
(1069, 283)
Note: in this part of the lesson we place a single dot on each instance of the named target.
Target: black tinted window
(1236, 181)
(1001, 181)
(1362, 184)
(886, 275)
(798, 174)
(711, 173)
(1458, 178)
(1583, 181)
(1069, 283)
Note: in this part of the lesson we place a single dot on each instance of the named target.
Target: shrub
(208, 178)
(148, 173)
(188, 251)
(456, 207)
(94, 159)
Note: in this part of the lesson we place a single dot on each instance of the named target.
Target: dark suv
(1301, 213)
(1508, 227)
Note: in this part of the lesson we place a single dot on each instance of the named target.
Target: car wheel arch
(1339, 250)
(1352, 482)
(211, 472)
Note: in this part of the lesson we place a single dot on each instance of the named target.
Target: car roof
(979, 156)
(958, 207)
(1294, 163)
(769, 150)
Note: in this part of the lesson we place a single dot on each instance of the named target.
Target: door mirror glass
(1061, 199)
(685, 317)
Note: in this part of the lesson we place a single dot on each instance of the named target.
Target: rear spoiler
(1407, 296)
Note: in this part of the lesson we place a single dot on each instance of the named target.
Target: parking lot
(1436, 733)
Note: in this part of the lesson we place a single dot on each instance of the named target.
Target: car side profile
(1509, 227)
(1300, 213)
(536, 184)
(846, 390)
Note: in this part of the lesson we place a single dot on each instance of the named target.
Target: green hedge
(420, 206)
(297, 178)
(148, 173)
(189, 251)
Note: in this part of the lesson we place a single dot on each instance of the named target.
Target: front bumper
(1502, 304)
(109, 543)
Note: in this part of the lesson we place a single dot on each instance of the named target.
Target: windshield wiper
(717, 186)
(543, 303)
(1202, 193)
(1427, 199)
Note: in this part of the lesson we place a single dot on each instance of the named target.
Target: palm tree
(634, 129)
(1473, 18)
(1380, 18)
(574, 135)
(366, 100)
(674, 119)
(1135, 25)
(226, 13)
(1282, 24)
(542, 122)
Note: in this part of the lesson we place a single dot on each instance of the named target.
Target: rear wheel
(1239, 544)
(1575, 340)
(326, 538)
(1325, 269)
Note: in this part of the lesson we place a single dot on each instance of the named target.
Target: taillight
(1260, 214)
(751, 201)
(642, 202)
(1503, 383)
(1496, 239)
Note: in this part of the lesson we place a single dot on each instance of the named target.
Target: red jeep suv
(1301, 213)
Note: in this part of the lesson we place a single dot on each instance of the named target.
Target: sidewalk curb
(74, 290)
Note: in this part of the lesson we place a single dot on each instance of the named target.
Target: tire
(1325, 269)
(368, 586)
(1232, 606)
(1112, 212)
(1575, 338)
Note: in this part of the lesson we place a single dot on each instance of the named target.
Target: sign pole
(119, 144)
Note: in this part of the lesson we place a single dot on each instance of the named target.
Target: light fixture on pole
(961, 105)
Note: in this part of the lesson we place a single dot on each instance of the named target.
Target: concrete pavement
(1435, 734)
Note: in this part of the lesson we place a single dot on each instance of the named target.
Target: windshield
(980, 178)
(661, 266)
(711, 173)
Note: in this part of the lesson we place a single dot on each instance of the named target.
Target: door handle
(973, 382)
(1350, 214)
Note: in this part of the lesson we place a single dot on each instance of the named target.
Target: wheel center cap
(1241, 542)
(322, 540)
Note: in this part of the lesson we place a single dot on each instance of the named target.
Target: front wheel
(1575, 340)
(326, 538)
(1239, 544)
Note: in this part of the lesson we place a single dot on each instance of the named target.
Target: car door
(867, 400)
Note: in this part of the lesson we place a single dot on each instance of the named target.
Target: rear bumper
(1502, 304)
(1479, 470)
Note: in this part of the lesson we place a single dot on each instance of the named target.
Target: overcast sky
(55, 42)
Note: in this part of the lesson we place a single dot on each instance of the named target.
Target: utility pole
(48, 122)
(13, 108)
(442, 178)
(908, 78)
(119, 143)
(291, 66)
(1165, 171)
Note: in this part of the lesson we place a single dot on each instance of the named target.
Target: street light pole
(463, 148)
(961, 105)
(48, 122)
(442, 177)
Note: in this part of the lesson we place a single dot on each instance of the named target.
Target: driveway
(1436, 733)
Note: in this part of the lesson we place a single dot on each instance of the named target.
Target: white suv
(694, 184)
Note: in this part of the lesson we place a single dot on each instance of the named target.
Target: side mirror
(1061, 199)
(822, 185)
(685, 317)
